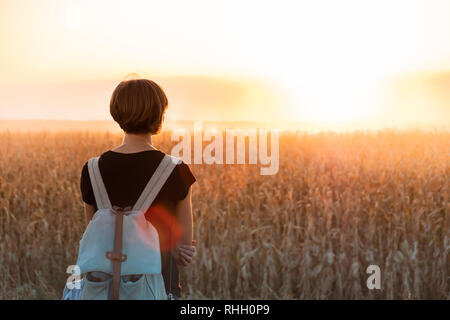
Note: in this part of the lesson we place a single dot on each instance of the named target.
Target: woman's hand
(184, 254)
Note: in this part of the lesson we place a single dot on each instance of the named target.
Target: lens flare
(169, 229)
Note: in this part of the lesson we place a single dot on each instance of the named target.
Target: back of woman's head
(138, 106)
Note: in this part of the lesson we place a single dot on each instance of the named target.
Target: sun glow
(335, 99)
(330, 59)
(72, 16)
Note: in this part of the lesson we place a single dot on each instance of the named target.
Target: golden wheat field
(339, 203)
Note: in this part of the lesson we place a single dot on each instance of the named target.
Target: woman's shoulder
(141, 158)
(180, 180)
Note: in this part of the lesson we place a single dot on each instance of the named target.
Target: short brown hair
(138, 106)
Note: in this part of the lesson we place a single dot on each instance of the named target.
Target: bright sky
(325, 61)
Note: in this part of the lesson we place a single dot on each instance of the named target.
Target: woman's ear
(158, 130)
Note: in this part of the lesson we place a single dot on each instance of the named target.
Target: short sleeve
(87, 193)
(180, 181)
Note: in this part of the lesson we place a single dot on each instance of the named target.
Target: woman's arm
(89, 211)
(186, 248)
(184, 215)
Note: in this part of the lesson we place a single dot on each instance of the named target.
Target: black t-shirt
(125, 176)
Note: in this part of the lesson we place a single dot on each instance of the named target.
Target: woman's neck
(135, 143)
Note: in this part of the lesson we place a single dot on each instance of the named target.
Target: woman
(138, 106)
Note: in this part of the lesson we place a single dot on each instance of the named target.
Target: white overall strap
(100, 193)
(156, 182)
